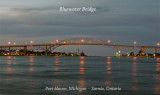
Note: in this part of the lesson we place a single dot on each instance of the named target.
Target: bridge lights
(82, 40)
(31, 42)
(158, 44)
(9, 43)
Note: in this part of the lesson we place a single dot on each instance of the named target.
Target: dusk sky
(121, 21)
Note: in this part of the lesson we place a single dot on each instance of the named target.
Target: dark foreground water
(98, 75)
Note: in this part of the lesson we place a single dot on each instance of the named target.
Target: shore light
(109, 41)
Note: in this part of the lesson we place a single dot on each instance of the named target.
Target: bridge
(49, 47)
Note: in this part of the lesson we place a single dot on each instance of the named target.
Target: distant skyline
(123, 21)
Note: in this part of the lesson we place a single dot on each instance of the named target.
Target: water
(24, 75)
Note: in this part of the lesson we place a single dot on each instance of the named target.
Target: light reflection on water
(134, 74)
(38, 72)
(56, 82)
(31, 59)
(82, 69)
(9, 68)
(56, 67)
(81, 83)
(81, 80)
(108, 68)
(9, 61)
(157, 78)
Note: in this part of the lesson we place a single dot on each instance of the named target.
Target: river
(48, 75)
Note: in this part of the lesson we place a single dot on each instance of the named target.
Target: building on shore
(39, 53)
(141, 54)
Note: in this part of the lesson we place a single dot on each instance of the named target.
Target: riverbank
(139, 56)
(43, 54)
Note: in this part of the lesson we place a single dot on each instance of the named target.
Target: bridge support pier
(155, 50)
(46, 50)
(25, 50)
(9, 49)
(50, 49)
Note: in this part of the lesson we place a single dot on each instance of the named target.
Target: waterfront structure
(48, 48)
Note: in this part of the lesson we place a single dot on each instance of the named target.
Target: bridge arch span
(80, 41)
(83, 41)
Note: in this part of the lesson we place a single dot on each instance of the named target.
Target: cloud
(34, 9)
(113, 19)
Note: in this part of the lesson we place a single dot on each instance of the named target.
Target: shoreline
(139, 56)
(88, 56)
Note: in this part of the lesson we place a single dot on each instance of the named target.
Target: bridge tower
(46, 50)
